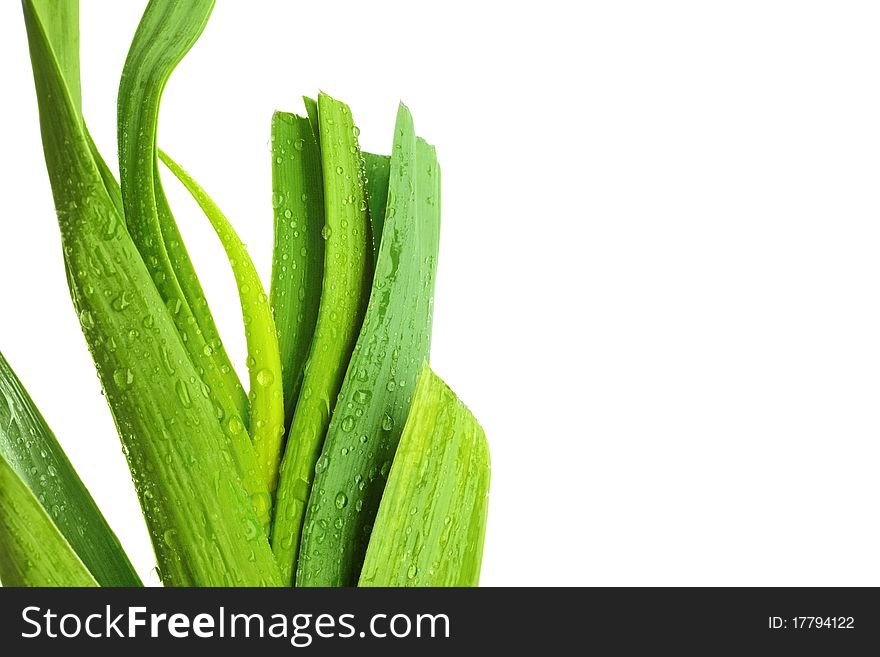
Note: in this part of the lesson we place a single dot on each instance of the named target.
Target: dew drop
(234, 425)
(86, 319)
(183, 394)
(123, 377)
(261, 503)
(250, 529)
(265, 377)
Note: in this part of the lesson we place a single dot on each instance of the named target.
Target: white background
(659, 270)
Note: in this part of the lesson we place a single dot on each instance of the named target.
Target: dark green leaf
(29, 447)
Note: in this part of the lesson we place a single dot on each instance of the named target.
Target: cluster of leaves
(348, 461)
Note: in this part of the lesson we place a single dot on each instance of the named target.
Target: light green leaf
(32, 550)
(202, 525)
(167, 31)
(375, 397)
(60, 20)
(432, 521)
(31, 450)
(344, 293)
(298, 251)
(264, 361)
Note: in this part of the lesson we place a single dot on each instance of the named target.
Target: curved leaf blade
(264, 360)
(167, 31)
(432, 521)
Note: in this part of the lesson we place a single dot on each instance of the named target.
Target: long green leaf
(392, 346)
(168, 29)
(202, 525)
(343, 300)
(298, 251)
(432, 521)
(32, 550)
(264, 361)
(213, 363)
(378, 170)
(26, 441)
(30, 448)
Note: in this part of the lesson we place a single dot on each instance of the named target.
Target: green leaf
(201, 522)
(213, 361)
(378, 170)
(343, 299)
(432, 521)
(32, 550)
(312, 112)
(298, 251)
(264, 361)
(29, 447)
(167, 31)
(392, 346)
(60, 20)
